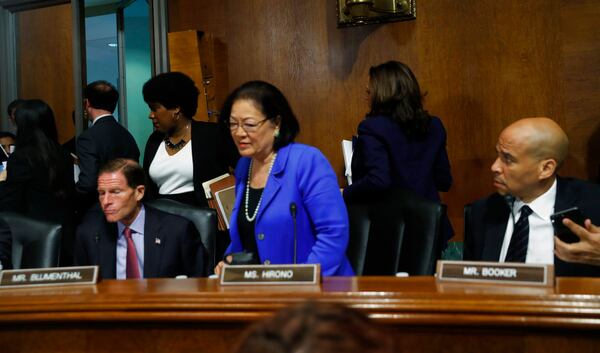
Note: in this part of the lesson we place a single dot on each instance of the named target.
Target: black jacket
(172, 245)
(484, 232)
(104, 141)
(213, 153)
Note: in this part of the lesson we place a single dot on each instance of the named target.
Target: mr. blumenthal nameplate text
(55, 276)
(270, 274)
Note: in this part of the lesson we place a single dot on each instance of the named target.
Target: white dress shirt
(540, 248)
(99, 117)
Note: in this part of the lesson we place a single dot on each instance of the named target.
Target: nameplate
(55, 276)
(495, 272)
(270, 274)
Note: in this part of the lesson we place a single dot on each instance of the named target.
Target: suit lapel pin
(157, 241)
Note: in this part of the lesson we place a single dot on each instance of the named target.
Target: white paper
(206, 185)
(347, 152)
(226, 209)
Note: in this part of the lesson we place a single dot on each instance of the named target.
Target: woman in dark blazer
(399, 144)
(39, 182)
(182, 153)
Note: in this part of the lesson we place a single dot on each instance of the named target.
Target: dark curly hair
(172, 90)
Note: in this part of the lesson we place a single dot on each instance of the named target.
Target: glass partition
(119, 50)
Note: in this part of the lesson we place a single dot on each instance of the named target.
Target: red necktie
(132, 270)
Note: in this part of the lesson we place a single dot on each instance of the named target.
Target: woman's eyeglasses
(246, 126)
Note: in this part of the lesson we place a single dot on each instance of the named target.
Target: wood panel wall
(483, 64)
(184, 56)
(45, 54)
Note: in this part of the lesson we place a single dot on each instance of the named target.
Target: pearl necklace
(248, 218)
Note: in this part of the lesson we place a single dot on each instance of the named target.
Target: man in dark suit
(130, 240)
(530, 152)
(106, 139)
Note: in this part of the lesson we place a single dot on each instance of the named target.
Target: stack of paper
(347, 151)
(220, 194)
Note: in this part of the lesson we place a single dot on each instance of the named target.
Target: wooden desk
(198, 315)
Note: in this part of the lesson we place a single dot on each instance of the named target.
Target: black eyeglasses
(246, 126)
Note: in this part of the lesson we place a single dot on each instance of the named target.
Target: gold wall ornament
(363, 12)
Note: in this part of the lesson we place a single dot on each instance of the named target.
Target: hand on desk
(220, 265)
(586, 251)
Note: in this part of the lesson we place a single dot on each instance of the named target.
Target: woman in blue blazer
(279, 182)
(399, 144)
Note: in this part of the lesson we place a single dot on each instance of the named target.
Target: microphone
(293, 213)
(510, 201)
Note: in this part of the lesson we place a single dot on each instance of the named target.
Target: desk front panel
(199, 315)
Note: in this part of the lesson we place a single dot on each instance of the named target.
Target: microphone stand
(293, 213)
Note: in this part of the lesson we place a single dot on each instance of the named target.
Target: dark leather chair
(400, 232)
(35, 244)
(468, 234)
(204, 218)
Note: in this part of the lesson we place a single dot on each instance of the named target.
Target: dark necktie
(517, 249)
(131, 270)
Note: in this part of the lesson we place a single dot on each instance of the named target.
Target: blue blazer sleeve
(325, 210)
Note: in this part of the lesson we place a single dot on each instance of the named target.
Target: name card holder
(55, 276)
(271, 274)
(495, 272)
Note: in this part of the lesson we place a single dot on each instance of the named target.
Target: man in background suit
(130, 240)
(7, 140)
(106, 139)
(530, 152)
(10, 111)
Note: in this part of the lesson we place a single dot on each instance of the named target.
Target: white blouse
(173, 174)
